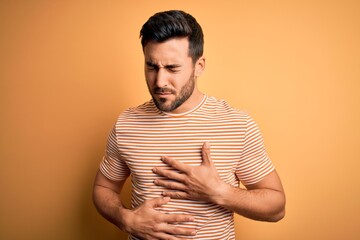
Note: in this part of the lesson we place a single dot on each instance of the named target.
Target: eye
(173, 68)
(151, 67)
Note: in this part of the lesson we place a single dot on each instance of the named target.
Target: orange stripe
(143, 134)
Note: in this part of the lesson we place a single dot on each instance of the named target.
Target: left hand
(191, 182)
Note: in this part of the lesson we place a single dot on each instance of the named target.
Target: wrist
(221, 193)
(123, 219)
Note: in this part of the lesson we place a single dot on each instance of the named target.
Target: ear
(199, 66)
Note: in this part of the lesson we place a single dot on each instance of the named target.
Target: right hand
(148, 223)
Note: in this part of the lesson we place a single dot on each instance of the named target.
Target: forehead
(170, 51)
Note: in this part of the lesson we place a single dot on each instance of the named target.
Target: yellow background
(68, 68)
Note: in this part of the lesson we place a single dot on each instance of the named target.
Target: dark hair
(163, 26)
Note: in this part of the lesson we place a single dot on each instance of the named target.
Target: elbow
(269, 215)
(273, 216)
(278, 216)
(276, 211)
(95, 199)
(279, 213)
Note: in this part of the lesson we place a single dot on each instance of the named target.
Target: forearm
(258, 204)
(109, 205)
(145, 221)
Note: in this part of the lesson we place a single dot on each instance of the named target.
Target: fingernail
(154, 170)
(207, 144)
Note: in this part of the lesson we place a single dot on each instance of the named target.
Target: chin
(165, 108)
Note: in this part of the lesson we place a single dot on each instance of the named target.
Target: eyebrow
(151, 64)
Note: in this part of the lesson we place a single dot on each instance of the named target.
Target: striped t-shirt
(143, 134)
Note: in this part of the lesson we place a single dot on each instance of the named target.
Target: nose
(161, 78)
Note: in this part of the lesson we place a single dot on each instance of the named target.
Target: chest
(141, 144)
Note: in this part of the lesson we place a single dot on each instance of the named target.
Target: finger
(157, 202)
(176, 218)
(170, 174)
(170, 184)
(175, 164)
(206, 155)
(175, 230)
(176, 194)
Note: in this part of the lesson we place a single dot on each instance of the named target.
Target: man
(186, 152)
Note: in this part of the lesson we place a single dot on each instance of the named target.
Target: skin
(144, 221)
(171, 76)
(264, 201)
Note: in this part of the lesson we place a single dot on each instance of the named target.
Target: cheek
(182, 79)
(149, 77)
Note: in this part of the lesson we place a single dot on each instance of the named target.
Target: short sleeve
(254, 162)
(113, 165)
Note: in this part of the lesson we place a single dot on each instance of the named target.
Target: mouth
(163, 92)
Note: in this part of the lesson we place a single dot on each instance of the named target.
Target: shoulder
(133, 117)
(146, 109)
(223, 108)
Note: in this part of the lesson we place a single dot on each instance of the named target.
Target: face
(171, 75)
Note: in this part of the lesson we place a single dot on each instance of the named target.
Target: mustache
(163, 90)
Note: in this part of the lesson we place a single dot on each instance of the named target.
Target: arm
(264, 200)
(107, 201)
(145, 221)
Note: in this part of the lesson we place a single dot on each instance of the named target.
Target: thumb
(206, 156)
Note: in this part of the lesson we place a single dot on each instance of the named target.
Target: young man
(186, 152)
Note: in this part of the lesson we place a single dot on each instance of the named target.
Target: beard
(183, 95)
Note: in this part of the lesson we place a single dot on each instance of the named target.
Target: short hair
(163, 26)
